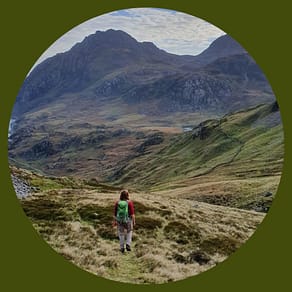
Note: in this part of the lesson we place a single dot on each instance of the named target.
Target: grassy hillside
(242, 151)
(173, 239)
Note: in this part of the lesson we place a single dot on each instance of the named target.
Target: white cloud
(172, 31)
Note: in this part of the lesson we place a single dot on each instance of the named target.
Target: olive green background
(28, 28)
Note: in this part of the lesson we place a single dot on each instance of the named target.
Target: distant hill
(112, 65)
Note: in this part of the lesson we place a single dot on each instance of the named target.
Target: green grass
(45, 183)
(236, 140)
(46, 209)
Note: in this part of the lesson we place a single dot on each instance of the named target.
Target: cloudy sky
(172, 31)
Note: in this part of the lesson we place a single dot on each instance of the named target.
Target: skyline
(170, 30)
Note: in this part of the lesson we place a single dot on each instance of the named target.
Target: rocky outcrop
(151, 140)
(203, 130)
(113, 86)
(201, 92)
(41, 149)
(182, 92)
(20, 135)
(22, 188)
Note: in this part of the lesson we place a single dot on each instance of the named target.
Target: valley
(239, 148)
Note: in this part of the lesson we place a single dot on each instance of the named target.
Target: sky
(172, 31)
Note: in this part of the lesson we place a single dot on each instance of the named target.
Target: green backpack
(122, 213)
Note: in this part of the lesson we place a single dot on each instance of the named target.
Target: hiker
(124, 217)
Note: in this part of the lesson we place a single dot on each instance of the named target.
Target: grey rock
(21, 187)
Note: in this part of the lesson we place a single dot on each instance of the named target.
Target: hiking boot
(122, 249)
(128, 247)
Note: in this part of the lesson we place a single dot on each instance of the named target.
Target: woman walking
(124, 216)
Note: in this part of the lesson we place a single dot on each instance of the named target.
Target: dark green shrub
(181, 233)
(199, 257)
(44, 209)
(220, 244)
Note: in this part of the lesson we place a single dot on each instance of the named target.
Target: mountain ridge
(115, 60)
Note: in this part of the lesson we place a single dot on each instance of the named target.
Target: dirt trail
(129, 268)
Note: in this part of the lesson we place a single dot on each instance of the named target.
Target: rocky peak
(102, 39)
(222, 47)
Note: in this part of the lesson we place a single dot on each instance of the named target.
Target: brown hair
(124, 195)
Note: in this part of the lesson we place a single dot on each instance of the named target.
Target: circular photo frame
(146, 146)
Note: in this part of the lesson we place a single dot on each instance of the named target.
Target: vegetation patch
(92, 182)
(106, 232)
(220, 244)
(218, 199)
(164, 212)
(142, 249)
(150, 263)
(162, 250)
(141, 208)
(45, 209)
(96, 214)
(259, 205)
(179, 258)
(111, 263)
(199, 256)
(107, 188)
(45, 183)
(145, 223)
(181, 233)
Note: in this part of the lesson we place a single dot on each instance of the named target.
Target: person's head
(124, 195)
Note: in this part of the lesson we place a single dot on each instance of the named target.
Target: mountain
(96, 57)
(224, 46)
(113, 65)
